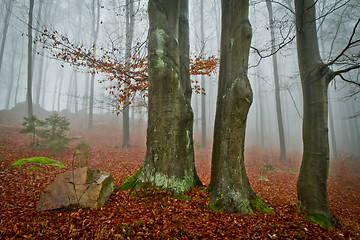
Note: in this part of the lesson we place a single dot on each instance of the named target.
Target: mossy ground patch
(39, 160)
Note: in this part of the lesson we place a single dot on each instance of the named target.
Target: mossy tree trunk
(229, 187)
(169, 161)
(315, 77)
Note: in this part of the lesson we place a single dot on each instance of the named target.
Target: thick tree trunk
(229, 186)
(169, 160)
(29, 66)
(315, 77)
(277, 86)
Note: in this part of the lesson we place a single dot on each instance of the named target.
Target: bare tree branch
(348, 81)
(350, 43)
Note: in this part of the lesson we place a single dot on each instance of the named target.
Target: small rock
(81, 188)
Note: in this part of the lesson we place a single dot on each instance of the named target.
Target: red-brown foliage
(158, 216)
(125, 79)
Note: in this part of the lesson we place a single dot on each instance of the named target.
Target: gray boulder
(81, 188)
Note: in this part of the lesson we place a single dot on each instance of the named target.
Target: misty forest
(180, 119)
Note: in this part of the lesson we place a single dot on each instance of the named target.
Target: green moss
(230, 202)
(182, 197)
(38, 160)
(133, 194)
(2, 147)
(33, 168)
(320, 219)
(214, 205)
(130, 182)
(259, 205)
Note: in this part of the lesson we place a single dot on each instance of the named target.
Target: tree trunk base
(323, 220)
(236, 203)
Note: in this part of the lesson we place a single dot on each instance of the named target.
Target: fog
(60, 86)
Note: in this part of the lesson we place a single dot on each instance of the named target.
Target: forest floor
(158, 216)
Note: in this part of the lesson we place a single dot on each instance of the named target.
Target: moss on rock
(38, 160)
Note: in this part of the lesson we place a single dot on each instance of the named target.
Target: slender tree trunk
(55, 88)
(11, 80)
(19, 72)
(60, 87)
(5, 29)
(95, 22)
(203, 99)
(169, 160)
(277, 86)
(91, 102)
(34, 50)
(39, 80)
(76, 103)
(86, 94)
(230, 190)
(315, 77)
(29, 66)
(332, 130)
(44, 91)
(128, 43)
(70, 93)
(261, 116)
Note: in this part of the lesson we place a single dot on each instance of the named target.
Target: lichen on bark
(169, 160)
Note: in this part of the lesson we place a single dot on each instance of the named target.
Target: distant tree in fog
(8, 7)
(277, 85)
(30, 62)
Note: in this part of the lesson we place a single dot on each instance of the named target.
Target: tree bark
(230, 190)
(29, 66)
(277, 86)
(315, 77)
(169, 160)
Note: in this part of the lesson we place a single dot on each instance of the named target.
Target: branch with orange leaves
(127, 79)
